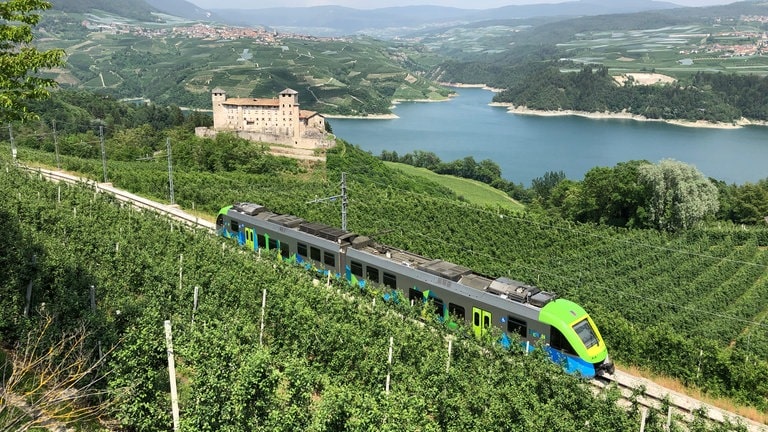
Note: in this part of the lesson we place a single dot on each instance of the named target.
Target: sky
(371, 4)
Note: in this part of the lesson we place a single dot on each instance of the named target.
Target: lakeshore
(527, 146)
(479, 86)
(522, 110)
(362, 117)
(390, 116)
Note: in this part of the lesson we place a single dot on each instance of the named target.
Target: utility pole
(344, 200)
(103, 152)
(344, 241)
(170, 168)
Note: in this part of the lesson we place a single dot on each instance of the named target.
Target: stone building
(279, 120)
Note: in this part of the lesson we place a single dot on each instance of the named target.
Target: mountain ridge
(340, 20)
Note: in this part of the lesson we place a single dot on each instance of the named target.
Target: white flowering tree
(679, 194)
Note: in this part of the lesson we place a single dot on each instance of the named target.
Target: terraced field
(343, 76)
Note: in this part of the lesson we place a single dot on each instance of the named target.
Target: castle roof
(305, 114)
(289, 92)
(256, 102)
(218, 90)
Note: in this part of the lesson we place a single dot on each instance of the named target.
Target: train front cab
(221, 223)
(574, 341)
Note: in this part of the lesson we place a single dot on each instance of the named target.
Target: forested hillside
(710, 97)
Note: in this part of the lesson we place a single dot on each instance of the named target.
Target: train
(524, 313)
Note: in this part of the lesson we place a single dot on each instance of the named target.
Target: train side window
(372, 274)
(272, 244)
(415, 296)
(262, 242)
(233, 226)
(329, 259)
(476, 319)
(314, 253)
(559, 342)
(357, 268)
(390, 280)
(486, 321)
(456, 311)
(301, 249)
(285, 250)
(518, 326)
(439, 307)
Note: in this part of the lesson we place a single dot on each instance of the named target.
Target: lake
(527, 146)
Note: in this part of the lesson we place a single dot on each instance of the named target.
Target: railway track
(652, 396)
(680, 407)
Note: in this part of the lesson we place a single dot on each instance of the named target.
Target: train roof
(502, 287)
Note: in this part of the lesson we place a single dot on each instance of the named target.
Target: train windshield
(585, 332)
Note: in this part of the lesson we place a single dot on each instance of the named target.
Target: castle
(279, 121)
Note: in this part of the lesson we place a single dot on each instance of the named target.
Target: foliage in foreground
(323, 362)
(21, 62)
(322, 365)
(658, 298)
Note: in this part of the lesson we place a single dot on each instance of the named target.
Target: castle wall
(275, 120)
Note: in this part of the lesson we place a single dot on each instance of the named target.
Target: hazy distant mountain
(135, 9)
(141, 10)
(183, 9)
(342, 20)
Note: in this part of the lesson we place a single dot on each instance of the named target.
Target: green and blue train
(522, 312)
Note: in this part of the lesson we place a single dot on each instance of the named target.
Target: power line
(344, 201)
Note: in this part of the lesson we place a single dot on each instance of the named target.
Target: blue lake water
(525, 146)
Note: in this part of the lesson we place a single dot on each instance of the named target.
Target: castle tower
(218, 97)
(289, 110)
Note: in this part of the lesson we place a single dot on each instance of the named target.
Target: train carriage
(522, 312)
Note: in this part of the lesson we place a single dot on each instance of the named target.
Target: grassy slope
(473, 191)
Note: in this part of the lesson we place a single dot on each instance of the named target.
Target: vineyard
(323, 361)
(690, 305)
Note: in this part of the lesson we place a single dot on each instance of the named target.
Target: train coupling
(605, 367)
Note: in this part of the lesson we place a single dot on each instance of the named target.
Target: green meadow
(471, 191)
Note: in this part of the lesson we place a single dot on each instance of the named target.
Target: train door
(249, 238)
(240, 232)
(481, 321)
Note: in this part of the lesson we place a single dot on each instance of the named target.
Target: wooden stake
(172, 375)
(389, 362)
(263, 308)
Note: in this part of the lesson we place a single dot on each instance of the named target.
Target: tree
(542, 186)
(750, 203)
(20, 62)
(51, 383)
(679, 194)
(614, 196)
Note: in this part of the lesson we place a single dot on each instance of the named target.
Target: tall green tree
(679, 194)
(542, 186)
(20, 62)
(750, 203)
